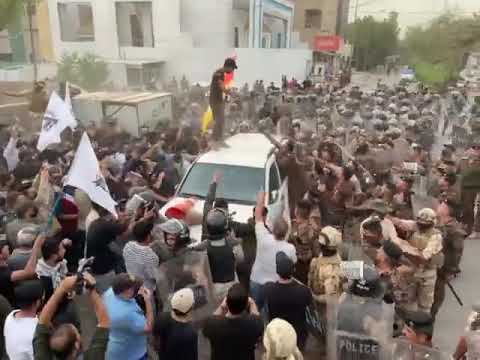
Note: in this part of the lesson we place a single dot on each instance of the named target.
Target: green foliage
(373, 40)
(435, 75)
(441, 47)
(11, 10)
(86, 71)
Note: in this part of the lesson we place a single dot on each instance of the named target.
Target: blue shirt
(127, 340)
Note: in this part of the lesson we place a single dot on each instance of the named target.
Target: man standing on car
(217, 101)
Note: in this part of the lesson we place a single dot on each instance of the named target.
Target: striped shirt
(141, 262)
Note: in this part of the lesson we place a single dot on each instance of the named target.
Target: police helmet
(178, 228)
(217, 223)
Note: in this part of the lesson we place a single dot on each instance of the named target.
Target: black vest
(222, 263)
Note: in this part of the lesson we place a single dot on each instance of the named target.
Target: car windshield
(238, 184)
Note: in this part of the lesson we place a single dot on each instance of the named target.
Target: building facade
(146, 39)
(322, 24)
(320, 17)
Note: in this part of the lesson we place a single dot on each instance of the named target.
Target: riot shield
(359, 329)
(420, 202)
(405, 350)
(190, 269)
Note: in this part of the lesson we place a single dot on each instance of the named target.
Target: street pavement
(451, 320)
(368, 81)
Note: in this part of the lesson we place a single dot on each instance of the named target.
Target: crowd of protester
(361, 167)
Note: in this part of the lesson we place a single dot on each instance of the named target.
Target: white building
(141, 39)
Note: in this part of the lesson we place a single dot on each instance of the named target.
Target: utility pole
(356, 12)
(30, 7)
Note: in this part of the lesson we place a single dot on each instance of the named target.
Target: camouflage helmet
(330, 237)
(427, 216)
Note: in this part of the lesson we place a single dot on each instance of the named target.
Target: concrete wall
(166, 27)
(209, 22)
(329, 10)
(24, 73)
(198, 64)
(254, 64)
(5, 42)
(241, 21)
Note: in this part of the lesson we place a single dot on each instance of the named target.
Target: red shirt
(68, 207)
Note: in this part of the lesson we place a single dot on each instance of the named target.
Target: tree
(373, 40)
(87, 70)
(11, 10)
(438, 51)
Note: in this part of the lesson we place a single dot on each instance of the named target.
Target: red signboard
(327, 43)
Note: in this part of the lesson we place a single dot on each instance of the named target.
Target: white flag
(11, 154)
(85, 175)
(57, 118)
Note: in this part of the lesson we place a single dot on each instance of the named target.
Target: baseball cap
(183, 300)
(285, 265)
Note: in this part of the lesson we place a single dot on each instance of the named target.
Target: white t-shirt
(265, 266)
(19, 336)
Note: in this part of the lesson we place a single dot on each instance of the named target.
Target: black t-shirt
(6, 284)
(233, 339)
(289, 302)
(177, 340)
(216, 93)
(100, 234)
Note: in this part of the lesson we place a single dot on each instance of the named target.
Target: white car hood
(241, 213)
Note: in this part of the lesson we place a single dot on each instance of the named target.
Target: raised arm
(29, 271)
(98, 305)
(51, 307)
(210, 198)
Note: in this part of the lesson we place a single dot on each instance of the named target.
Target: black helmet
(217, 223)
(369, 286)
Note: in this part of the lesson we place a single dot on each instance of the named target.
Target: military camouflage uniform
(325, 281)
(304, 236)
(453, 241)
(430, 244)
(470, 180)
(403, 287)
(324, 277)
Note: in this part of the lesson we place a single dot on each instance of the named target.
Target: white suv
(247, 165)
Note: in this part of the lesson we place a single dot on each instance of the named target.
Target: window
(239, 184)
(134, 76)
(236, 41)
(76, 22)
(279, 41)
(134, 24)
(313, 19)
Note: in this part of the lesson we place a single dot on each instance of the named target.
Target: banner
(85, 175)
(57, 118)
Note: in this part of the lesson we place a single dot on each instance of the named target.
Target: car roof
(250, 150)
